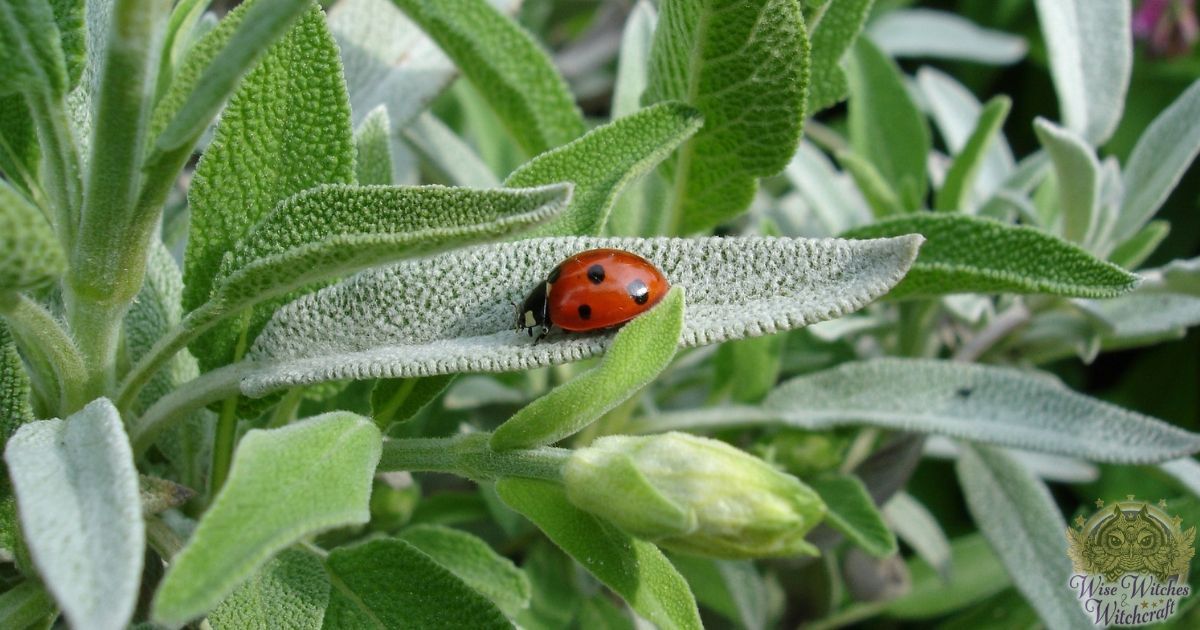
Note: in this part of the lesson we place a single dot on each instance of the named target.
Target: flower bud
(695, 495)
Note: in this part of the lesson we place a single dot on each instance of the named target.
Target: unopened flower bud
(694, 495)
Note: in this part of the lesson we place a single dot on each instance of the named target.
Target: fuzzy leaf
(77, 490)
(1159, 160)
(453, 312)
(284, 484)
(1016, 513)
(633, 59)
(1091, 57)
(31, 54)
(749, 368)
(603, 161)
(15, 409)
(1000, 406)
(1134, 251)
(970, 160)
(30, 255)
(290, 591)
(830, 193)
(634, 569)
(832, 35)
(20, 153)
(447, 153)
(639, 351)
(157, 310)
(852, 512)
(942, 35)
(389, 583)
(1078, 177)
(1165, 305)
(967, 254)
(374, 163)
(733, 588)
(744, 65)
(475, 563)
(917, 527)
(506, 64)
(886, 127)
(877, 192)
(286, 129)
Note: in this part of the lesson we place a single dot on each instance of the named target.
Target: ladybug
(592, 290)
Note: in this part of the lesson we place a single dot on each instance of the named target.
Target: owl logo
(1131, 537)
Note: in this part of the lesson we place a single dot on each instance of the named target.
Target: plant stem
(226, 432)
(468, 455)
(41, 336)
(916, 319)
(97, 327)
(61, 175)
(285, 411)
(1004, 324)
(188, 397)
(192, 326)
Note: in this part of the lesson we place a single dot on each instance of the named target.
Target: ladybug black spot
(553, 277)
(585, 311)
(596, 274)
(638, 291)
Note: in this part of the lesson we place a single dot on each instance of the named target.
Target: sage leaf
(15, 408)
(1163, 307)
(732, 588)
(878, 193)
(1159, 159)
(639, 351)
(448, 153)
(68, 16)
(1091, 58)
(935, 34)
(436, 316)
(634, 569)
(291, 590)
(633, 59)
(603, 161)
(1017, 515)
(745, 66)
(1131, 253)
(156, 311)
(399, 399)
(967, 254)
(20, 154)
(31, 53)
(506, 64)
(374, 163)
(886, 127)
(917, 527)
(832, 33)
(960, 179)
(77, 490)
(475, 563)
(1078, 177)
(830, 193)
(25, 604)
(975, 574)
(417, 591)
(31, 254)
(993, 405)
(284, 484)
(852, 511)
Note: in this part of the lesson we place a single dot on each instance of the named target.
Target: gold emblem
(1132, 537)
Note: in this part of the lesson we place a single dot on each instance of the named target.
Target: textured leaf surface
(633, 59)
(77, 490)
(1078, 179)
(1091, 57)
(30, 255)
(374, 163)
(505, 64)
(284, 484)
(31, 54)
(994, 405)
(389, 583)
(475, 563)
(965, 254)
(744, 65)
(291, 590)
(1020, 519)
(156, 310)
(832, 35)
(15, 409)
(634, 569)
(603, 161)
(940, 34)
(639, 351)
(453, 312)
(852, 512)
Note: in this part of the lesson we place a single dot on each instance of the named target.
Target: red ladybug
(592, 290)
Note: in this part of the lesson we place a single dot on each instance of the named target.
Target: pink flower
(1169, 27)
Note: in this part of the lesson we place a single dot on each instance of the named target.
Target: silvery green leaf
(1078, 177)
(97, 19)
(474, 562)
(475, 391)
(879, 194)
(30, 255)
(448, 153)
(1042, 465)
(1167, 303)
(1017, 515)
(1091, 57)
(733, 588)
(1133, 251)
(633, 58)
(833, 30)
(993, 405)
(914, 525)
(454, 313)
(943, 35)
(1186, 471)
(77, 490)
(1161, 157)
(830, 193)
(373, 164)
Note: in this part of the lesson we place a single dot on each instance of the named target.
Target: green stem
(97, 327)
(916, 321)
(190, 396)
(468, 455)
(384, 416)
(285, 411)
(61, 159)
(192, 326)
(162, 538)
(226, 432)
(55, 357)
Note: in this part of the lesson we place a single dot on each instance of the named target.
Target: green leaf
(634, 569)
(1078, 174)
(286, 129)
(1161, 157)
(435, 316)
(749, 368)
(1016, 513)
(965, 254)
(878, 193)
(24, 605)
(994, 405)
(68, 15)
(399, 399)
(389, 583)
(157, 310)
(20, 154)
(447, 153)
(833, 32)
(77, 490)
(830, 193)
(928, 33)
(917, 527)
(1137, 248)
(290, 591)
(556, 589)
(1091, 56)
(31, 254)
(1167, 302)
(475, 563)
(374, 163)
(732, 588)
(638, 352)
(15, 409)
(852, 512)
(31, 54)
(603, 161)
(745, 66)
(633, 59)
(960, 179)
(886, 127)
(975, 575)
(284, 484)
(505, 63)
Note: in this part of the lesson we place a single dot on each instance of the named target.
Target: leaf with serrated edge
(852, 512)
(744, 65)
(1078, 177)
(474, 562)
(77, 490)
(634, 569)
(994, 405)
(30, 255)
(833, 32)
(1017, 515)
(966, 254)
(290, 591)
(284, 484)
(454, 313)
(928, 33)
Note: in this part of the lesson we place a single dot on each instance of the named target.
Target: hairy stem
(53, 354)
(226, 431)
(468, 455)
(190, 396)
(176, 339)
